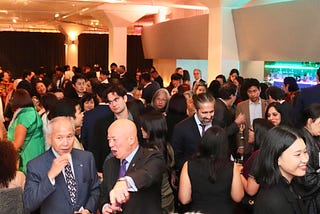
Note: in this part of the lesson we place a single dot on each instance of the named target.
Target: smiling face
(41, 88)
(88, 105)
(274, 116)
(293, 161)
(205, 112)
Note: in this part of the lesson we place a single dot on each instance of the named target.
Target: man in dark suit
(197, 77)
(308, 96)
(62, 180)
(98, 148)
(116, 98)
(225, 115)
(187, 133)
(149, 87)
(132, 177)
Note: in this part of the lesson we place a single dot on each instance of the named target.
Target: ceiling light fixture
(14, 20)
(56, 15)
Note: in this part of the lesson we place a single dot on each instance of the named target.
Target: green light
(291, 67)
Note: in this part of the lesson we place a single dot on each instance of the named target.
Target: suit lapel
(135, 159)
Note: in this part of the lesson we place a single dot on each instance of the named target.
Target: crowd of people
(116, 141)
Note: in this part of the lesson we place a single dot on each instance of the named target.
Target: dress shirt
(255, 110)
(199, 126)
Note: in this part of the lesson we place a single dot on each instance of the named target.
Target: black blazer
(225, 119)
(146, 169)
(307, 97)
(185, 140)
(89, 132)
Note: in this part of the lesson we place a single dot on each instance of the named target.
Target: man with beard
(187, 133)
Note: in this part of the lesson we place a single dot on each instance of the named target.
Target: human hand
(119, 194)
(110, 209)
(240, 119)
(240, 151)
(57, 165)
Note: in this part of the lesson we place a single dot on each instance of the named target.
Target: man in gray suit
(62, 180)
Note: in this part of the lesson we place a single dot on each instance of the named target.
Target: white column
(222, 46)
(118, 45)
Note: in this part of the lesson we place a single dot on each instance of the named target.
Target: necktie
(123, 168)
(71, 183)
(203, 129)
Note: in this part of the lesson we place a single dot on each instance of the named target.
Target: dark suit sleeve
(84, 135)
(37, 188)
(94, 190)
(151, 171)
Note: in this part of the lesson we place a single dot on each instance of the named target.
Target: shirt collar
(251, 103)
(132, 154)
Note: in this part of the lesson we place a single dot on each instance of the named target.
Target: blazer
(90, 138)
(185, 140)
(146, 169)
(307, 97)
(40, 193)
(148, 92)
(226, 119)
(243, 107)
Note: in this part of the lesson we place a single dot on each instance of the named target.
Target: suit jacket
(39, 192)
(148, 92)
(307, 97)
(98, 147)
(146, 169)
(101, 148)
(243, 107)
(226, 119)
(185, 140)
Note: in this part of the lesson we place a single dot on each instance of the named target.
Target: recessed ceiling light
(56, 15)
(14, 20)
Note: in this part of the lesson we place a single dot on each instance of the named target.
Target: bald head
(122, 137)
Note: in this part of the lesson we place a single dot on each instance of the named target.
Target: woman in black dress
(211, 182)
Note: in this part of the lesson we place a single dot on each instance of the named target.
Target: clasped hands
(118, 195)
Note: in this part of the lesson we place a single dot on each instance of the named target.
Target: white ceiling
(98, 15)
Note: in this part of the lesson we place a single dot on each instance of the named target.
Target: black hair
(116, 88)
(213, 88)
(202, 98)
(221, 76)
(275, 93)
(313, 112)
(226, 90)
(249, 82)
(293, 86)
(286, 118)
(277, 140)
(213, 151)
(87, 97)
(154, 123)
(177, 104)
(260, 127)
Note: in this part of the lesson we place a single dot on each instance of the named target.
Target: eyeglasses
(114, 100)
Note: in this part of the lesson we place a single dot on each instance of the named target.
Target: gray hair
(58, 119)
